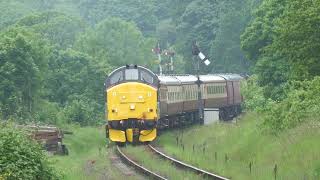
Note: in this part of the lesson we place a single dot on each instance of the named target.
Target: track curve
(187, 166)
(138, 166)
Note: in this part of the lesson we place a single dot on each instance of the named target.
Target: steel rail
(187, 166)
(138, 167)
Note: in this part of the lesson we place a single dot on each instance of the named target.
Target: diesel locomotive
(138, 102)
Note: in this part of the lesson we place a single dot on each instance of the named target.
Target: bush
(84, 112)
(21, 157)
(253, 95)
(46, 112)
(301, 103)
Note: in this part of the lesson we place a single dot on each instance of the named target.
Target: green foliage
(253, 95)
(301, 104)
(297, 38)
(84, 112)
(143, 13)
(197, 24)
(24, 58)
(59, 28)
(116, 42)
(48, 112)
(11, 11)
(22, 158)
(225, 49)
(282, 43)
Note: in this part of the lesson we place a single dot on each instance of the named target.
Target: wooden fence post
(275, 170)
(177, 140)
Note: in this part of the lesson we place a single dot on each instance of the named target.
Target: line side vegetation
(55, 54)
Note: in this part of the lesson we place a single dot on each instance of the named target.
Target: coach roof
(230, 77)
(169, 80)
(187, 79)
(211, 78)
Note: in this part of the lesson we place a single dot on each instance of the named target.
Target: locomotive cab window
(145, 76)
(116, 77)
(132, 74)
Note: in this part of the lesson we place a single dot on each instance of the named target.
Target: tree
(24, 59)
(140, 12)
(116, 42)
(259, 33)
(59, 28)
(297, 38)
(226, 52)
(11, 11)
(200, 22)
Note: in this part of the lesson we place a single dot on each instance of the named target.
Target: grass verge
(232, 149)
(88, 157)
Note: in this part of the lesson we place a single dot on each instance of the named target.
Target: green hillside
(229, 148)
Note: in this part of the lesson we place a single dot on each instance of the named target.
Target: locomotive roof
(131, 66)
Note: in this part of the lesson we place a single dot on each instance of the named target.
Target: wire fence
(224, 164)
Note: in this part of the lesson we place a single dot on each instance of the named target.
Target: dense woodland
(55, 54)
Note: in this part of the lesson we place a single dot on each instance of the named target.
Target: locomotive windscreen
(116, 77)
(132, 74)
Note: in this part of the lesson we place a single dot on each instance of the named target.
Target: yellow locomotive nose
(133, 104)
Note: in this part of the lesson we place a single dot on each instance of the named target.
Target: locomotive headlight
(132, 107)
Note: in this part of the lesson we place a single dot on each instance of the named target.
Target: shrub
(253, 95)
(21, 157)
(82, 111)
(302, 103)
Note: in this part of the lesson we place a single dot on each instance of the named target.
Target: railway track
(183, 165)
(138, 167)
(179, 164)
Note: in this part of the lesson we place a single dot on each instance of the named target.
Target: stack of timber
(50, 137)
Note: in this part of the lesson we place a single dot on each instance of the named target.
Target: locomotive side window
(146, 77)
(132, 74)
(117, 77)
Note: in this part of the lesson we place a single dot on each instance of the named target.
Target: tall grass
(88, 156)
(230, 149)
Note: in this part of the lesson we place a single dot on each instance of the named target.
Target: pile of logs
(50, 137)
